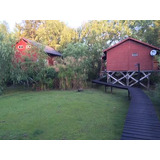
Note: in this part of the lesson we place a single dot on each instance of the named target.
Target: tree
(73, 68)
(28, 29)
(146, 30)
(152, 35)
(140, 28)
(6, 54)
(55, 34)
(105, 32)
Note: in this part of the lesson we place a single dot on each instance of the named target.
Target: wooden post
(139, 74)
(148, 83)
(107, 77)
(127, 79)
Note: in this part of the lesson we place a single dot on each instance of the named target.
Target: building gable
(134, 40)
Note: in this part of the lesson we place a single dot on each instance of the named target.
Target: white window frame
(28, 46)
(20, 47)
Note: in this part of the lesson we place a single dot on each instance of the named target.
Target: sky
(75, 23)
(76, 12)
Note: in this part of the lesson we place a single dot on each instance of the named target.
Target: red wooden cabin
(126, 54)
(23, 46)
(129, 62)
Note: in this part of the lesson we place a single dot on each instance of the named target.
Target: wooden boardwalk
(141, 122)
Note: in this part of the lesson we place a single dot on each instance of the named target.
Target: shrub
(155, 94)
(72, 73)
(6, 53)
(81, 63)
(154, 78)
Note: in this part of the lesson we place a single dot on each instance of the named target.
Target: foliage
(57, 34)
(105, 32)
(6, 54)
(73, 68)
(146, 30)
(154, 95)
(81, 63)
(27, 29)
(53, 33)
(154, 78)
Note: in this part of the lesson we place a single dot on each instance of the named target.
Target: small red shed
(129, 62)
(126, 54)
(23, 46)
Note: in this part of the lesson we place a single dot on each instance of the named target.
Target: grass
(155, 101)
(63, 115)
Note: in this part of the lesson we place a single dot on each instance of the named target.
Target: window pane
(134, 54)
(20, 46)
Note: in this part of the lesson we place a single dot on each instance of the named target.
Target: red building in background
(24, 46)
(125, 57)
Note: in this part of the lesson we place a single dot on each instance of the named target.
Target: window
(134, 54)
(28, 46)
(20, 46)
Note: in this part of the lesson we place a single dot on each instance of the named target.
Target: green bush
(47, 77)
(81, 63)
(6, 54)
(156, 94)
(33, 73)
(51, 73)
(154, 78)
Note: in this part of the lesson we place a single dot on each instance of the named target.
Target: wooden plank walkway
(109, 84)
(141, 122)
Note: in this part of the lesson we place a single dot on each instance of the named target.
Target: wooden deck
(141, 122)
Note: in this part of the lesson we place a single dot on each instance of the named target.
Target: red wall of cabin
(20, 52)
(120, 57)
(50, 60)
(117, 58)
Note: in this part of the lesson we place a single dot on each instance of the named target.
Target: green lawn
(57, 115)
(150, 94)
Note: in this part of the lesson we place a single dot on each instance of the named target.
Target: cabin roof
(47, 49)
(135, 40)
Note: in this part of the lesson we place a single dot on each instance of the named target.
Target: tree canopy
(50, 32)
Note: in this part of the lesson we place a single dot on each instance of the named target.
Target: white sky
(75, 12)
(71, 23)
